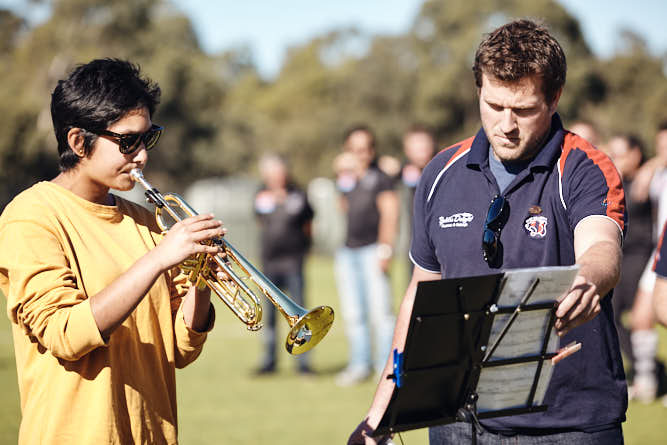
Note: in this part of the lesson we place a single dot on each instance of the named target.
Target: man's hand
(597, 248)
(579, 305)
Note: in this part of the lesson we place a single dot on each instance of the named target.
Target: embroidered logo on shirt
(456, 220)
(536, 226)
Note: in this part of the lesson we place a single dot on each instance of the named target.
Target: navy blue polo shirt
(660, 264)
(567, 181)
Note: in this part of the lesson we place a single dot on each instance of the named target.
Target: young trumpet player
(101, 316)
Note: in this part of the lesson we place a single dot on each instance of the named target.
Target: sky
(269, 27)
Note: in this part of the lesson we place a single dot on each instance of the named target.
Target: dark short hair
(93, 97)
(518, 49)
(360, 127)
(662, 126)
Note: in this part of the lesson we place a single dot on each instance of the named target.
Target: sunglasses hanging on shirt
(496, 217)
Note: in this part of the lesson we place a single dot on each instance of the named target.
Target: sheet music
(508, 386)
(526, 333)
(504, 387)
(554, 282)
(524, 337)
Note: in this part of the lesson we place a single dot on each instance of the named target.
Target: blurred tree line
(220, 114)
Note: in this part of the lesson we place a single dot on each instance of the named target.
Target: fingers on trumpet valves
(219, 272)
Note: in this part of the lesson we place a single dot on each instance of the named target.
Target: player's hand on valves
(185, 239)
(217, 270)
(579, 305)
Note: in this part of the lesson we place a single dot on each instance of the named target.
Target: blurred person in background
(650, 184)
(390, 166)
(627, 153)
(525, 192)
(371, 207)
(285, 219)
(589, 131)
(418, 148)
(586, 130)
(101, 317)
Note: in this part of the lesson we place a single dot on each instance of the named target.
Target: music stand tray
(477, 347)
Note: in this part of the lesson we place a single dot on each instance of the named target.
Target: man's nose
(508, 122)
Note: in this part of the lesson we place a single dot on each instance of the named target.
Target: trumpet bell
(309, 330)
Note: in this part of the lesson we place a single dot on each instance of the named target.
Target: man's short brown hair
(518, 49)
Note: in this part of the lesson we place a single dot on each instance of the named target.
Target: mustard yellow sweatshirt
(56, 251)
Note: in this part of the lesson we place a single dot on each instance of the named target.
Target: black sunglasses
(492, 227)
(130, 142)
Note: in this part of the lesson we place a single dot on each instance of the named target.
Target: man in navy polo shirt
(550, 199)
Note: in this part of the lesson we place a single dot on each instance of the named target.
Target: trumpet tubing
(240, 293)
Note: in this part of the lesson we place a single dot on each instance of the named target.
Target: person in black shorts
(627, 152)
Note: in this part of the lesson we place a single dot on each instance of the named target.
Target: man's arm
(388, 207)
(385, 386)
(597, 248)
(641, 185)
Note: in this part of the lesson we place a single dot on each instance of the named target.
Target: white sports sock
(644, 346)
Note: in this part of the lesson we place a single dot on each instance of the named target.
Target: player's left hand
(362, 436)
(579, 305)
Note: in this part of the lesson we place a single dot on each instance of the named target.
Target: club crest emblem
(536, 226)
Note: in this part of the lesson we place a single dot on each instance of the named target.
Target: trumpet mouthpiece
(136, 174)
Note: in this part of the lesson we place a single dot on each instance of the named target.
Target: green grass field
(220, 402)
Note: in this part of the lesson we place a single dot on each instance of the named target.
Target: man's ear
(75, 139)
(554, 103)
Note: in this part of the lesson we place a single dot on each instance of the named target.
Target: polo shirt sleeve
(590, 185)
(660, 265)
(42, 294)
(422, 250)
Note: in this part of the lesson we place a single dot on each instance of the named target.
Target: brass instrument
(307, 328)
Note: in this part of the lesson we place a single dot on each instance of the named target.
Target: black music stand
(476, 348)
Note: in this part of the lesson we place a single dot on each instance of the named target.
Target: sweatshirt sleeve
(188, 342)
(43, 298)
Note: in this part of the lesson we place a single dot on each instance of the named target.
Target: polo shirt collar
(479, 150)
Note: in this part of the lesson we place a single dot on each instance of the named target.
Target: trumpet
(240, 292)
